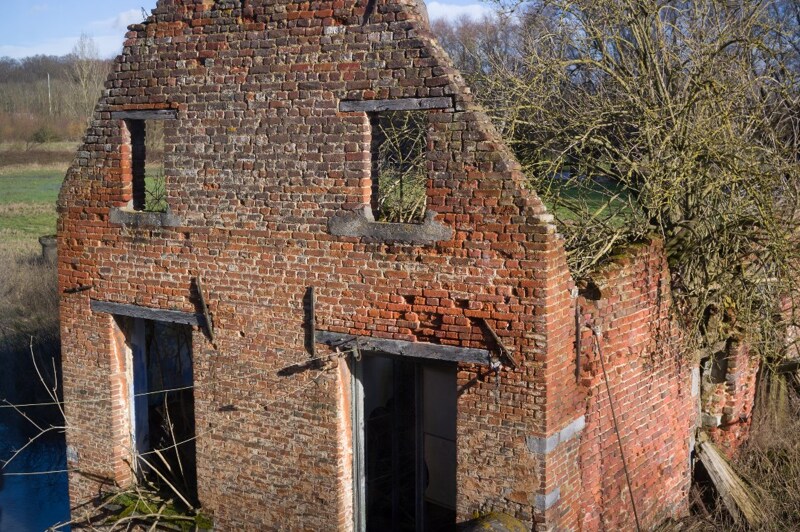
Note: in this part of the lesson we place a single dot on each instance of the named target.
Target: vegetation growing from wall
(672, 118)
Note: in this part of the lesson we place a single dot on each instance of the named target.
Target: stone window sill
(361, 224)
(131, 218)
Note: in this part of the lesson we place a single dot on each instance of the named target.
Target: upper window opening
(147, 165)
(399, 168)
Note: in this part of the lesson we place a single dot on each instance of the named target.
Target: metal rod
(596, 333)
(578, 342)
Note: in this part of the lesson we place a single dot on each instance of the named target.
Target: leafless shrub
(401, 168)
(28, 299)
(88, 76)
(672, 118)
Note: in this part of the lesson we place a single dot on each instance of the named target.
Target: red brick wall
(629, 300)
(728, 396)
(258, 162)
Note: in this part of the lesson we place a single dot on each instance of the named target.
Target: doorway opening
(161, 402)
(405, 443)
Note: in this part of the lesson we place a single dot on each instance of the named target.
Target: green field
(28, 205)
(573, 201)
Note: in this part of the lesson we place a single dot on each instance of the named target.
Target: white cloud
(108, 35)
(117, 23)
(39, 8)
(108, 46)
(454, 11)
(49, 47)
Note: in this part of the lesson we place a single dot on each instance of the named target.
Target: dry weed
(28, 300)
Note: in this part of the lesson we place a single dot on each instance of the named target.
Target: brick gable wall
(259, 161)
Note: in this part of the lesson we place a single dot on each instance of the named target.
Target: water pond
(31, 503)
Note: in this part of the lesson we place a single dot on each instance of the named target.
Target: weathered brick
(257, 162)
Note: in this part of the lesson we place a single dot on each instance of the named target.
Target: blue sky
(51, 27)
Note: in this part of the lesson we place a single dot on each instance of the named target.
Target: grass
(26, 221)
(28, 286)
(572, 201)
(28, 196)
(30, 185)
(52, 154)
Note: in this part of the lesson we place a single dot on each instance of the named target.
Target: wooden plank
(206, 316)
(147, 313)
(145, 114)
(791, 366)
(359, 446)
(735, 493)
(578, 339)
(506, 352)
(312, 321)
(398, 104)
(425, 350)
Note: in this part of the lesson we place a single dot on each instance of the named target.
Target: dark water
(31, 503)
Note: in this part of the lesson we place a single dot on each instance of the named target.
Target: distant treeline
(30, 113)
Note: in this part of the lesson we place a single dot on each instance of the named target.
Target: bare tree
(88, 76)
(674, 118)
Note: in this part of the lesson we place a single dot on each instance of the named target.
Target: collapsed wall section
(728, 392)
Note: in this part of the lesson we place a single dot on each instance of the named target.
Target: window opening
(405, 463)
(162, 404)
(399, 166)
(147, 165)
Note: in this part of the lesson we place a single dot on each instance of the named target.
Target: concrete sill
(361, 224)
(131, 218)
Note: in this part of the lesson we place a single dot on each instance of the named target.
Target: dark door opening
(162, 404)
(406, 444)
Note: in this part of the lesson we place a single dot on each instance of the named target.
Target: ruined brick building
(327, 369)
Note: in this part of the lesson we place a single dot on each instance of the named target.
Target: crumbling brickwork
(628, 303)
(728, 395)
(267, 163)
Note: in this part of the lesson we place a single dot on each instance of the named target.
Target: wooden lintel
(388, 346)
(147, 313)
(398, 104)
(145, 114)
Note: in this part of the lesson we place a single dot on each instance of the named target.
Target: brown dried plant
(679, 119)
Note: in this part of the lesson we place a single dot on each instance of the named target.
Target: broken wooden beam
(792, 366)
(504, 351)
(204, 307)
(310, 324)
(735, 492)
